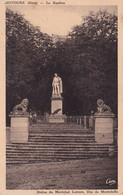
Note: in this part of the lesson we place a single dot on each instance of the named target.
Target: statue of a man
(57, 85)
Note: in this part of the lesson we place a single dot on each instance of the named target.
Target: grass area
(74, 174)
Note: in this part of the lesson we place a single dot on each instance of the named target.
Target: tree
(86, 62)
(90, 60)
(27, 54)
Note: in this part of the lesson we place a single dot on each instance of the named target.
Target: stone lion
(22, 107)
(102, 107)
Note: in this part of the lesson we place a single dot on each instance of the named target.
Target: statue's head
(100, 103)
(55, 74)
(25, 102)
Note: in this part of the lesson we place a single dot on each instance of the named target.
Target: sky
(57, 19)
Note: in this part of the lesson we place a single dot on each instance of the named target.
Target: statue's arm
(53, 82)
(61, 89)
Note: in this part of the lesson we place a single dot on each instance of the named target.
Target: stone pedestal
(104, 127)
(19, 128)
(56, 105)
(56, 110)
(57, 118)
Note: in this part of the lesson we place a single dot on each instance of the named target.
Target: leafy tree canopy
(86, 62)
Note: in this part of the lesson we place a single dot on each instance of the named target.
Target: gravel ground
(74, 174)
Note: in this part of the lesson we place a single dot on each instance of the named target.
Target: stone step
(31, 144)
(51, 144)
(56, 142)
(69, 148)
(52, 159)
(38, 141)
(74, 151)
(22, 161)
(63, 138)
(74, 142)
(36, 149)
(59, 132)
(57, 152)
(59, 127)
(62, 131)
(57, 156)
(24, 157)
(56, 125)
(61, 135)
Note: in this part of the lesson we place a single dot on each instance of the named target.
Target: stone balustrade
(86, 121)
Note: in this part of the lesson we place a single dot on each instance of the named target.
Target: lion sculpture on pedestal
(102, 107)
(22, 107)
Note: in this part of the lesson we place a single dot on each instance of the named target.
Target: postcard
(61, 97)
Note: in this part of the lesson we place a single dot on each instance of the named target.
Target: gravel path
(74, 174)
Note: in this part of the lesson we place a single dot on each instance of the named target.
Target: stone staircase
(56, 142)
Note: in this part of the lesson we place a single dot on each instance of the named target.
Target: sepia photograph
(61, 97)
